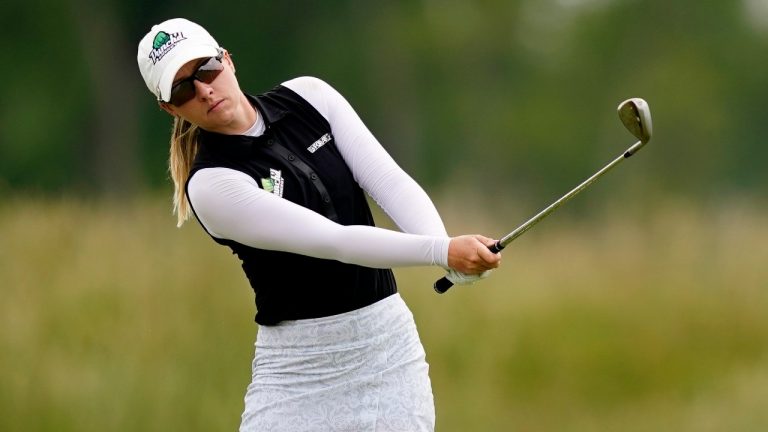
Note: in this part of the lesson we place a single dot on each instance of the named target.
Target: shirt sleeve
(397, 193)
(230, 205)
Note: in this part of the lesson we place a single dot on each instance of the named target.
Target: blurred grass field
(111, 319)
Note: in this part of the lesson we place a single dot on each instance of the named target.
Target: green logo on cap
(163, 43)
(160, 39)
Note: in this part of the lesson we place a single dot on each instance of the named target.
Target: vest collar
(270, 111)
(241, 144)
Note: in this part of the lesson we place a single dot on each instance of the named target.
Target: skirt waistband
(354, 327)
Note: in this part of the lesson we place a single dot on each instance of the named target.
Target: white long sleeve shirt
(226, 201)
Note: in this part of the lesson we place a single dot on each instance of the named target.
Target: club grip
(443, 284)
(496, 247)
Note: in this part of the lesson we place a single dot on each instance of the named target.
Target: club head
(636, 116)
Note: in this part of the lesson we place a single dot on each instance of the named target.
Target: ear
(170, 109)
(228, 60)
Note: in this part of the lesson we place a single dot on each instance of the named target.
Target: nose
(202, 90)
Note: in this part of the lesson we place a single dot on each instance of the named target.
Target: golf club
(636, 117)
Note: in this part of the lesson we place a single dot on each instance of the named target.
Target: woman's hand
(469, 254)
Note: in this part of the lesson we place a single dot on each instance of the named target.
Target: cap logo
(163, 43)
(160, 39)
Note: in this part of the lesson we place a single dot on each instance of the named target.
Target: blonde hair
(182, 154)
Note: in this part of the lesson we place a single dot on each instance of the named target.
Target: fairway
(649, 322)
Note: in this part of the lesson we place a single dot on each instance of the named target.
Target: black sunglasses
(184, 90)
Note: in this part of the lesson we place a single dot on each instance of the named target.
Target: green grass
(112, 319)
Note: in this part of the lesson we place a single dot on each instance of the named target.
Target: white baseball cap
(167, 47)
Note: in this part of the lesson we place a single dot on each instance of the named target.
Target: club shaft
(507, 239)
(443, 284)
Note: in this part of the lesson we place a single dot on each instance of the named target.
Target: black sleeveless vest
(297, 158)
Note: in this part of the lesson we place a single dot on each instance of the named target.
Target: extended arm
(230, 205)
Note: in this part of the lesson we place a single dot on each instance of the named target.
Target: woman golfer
(280, 178)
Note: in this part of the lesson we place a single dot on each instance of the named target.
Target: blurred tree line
(513, 95)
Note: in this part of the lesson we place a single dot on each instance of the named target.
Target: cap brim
(176, 62)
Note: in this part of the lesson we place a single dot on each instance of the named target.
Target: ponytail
(183, 150)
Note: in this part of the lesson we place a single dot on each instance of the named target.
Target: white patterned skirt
(361, 371)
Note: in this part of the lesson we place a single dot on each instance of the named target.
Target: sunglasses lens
(184, 90)
(209, 70)
(182, 93)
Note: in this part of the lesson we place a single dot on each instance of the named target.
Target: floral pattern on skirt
(360, 371)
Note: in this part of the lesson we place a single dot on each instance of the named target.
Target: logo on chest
(323, 140)
(274, 183)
